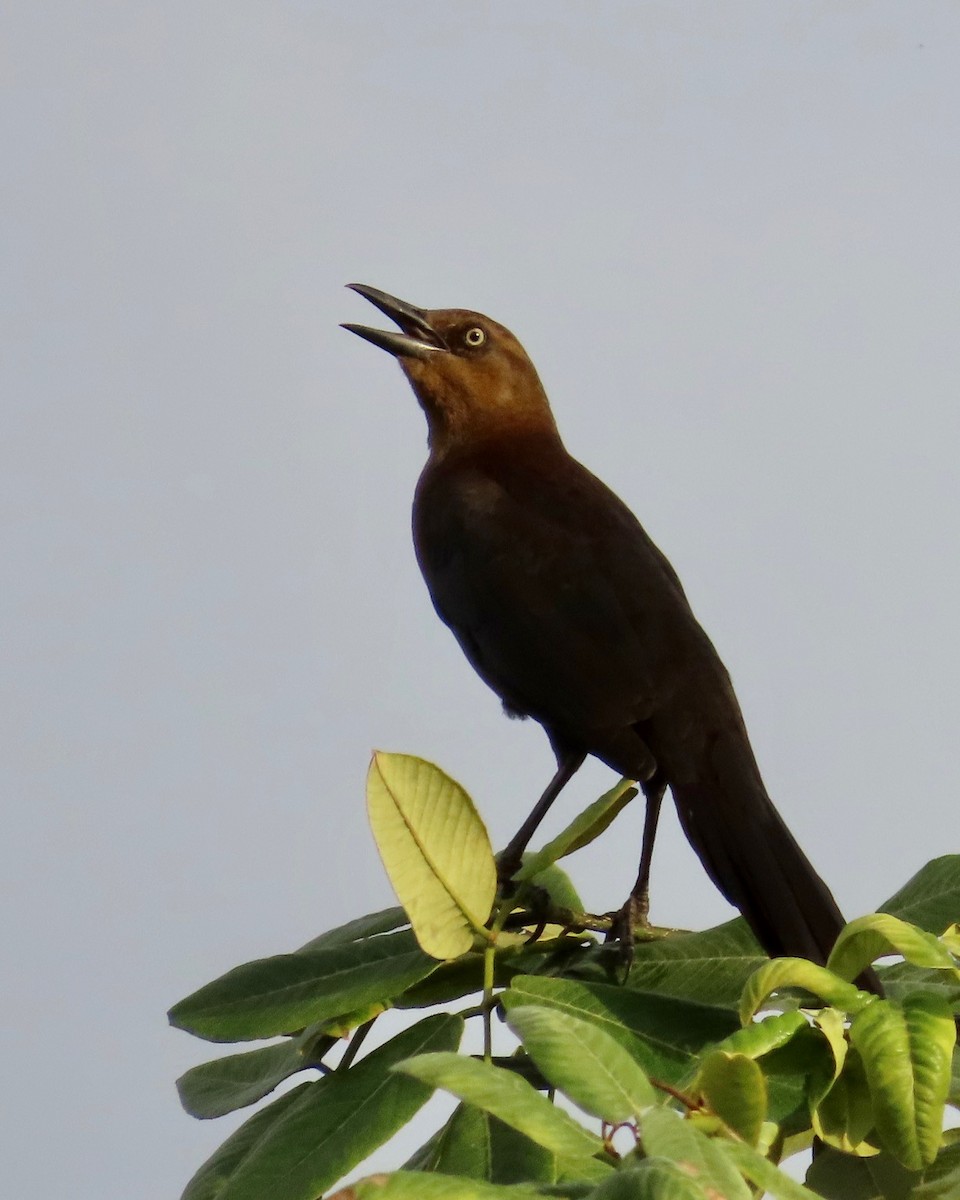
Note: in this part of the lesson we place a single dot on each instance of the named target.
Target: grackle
(571, 614)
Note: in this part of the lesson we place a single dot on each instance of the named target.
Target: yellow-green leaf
(843, 1114)
(581, 831)
(831, 1025)
(421, 1185)
(651, 1179)
(870, 937)
(665, 1134)
(763, 1174)
(799, 973)
(906, 1054)
(435, 850)
(504, 1094)
(760, 1037)
(585, 1063)
(735, 1089)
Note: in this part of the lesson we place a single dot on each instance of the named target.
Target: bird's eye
(475, 337)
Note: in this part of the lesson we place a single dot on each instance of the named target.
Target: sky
(728, 237)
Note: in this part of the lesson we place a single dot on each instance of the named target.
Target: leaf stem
(686, 1101)
(355, 1043)
(503, 911)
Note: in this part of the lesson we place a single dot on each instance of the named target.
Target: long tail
(753, 858)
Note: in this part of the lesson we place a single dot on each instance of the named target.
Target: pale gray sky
(729, 237)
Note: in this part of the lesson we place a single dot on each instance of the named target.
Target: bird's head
(471, 376)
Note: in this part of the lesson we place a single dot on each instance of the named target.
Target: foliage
(690, 1076)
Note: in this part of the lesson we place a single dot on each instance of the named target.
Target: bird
(566, 608)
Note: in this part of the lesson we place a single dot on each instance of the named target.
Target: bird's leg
(636, 908)
(570, 762)
(640, 895)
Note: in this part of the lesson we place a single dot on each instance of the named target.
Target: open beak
(417, 338)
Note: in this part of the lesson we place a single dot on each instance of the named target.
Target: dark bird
(567, 609)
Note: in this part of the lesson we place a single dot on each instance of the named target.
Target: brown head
(472, 377)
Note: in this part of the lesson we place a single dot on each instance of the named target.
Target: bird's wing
(557, 596)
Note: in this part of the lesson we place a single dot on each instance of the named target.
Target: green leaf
(577, 1175)
(225, 1084)
(762, 1172)
(902, 979)
(954, 1093)
(435, 850)
(838, 1094)
(736, 1091)
(776, 1039)
(417, 1185)
(843, 1114)
(594, 819)
(664, 1134)
(210, 1180)
(846, 1118)
(290, 991)
(474, 1144)
(651, 1179)
(879, 934)
(333, 1124)
(464, 975)
(507, 1096)
(710, 967)
(344, 1024)
(837, 1176)
(832, 1026)
(931, 899)
(661, 1034)
(760, 1037)
(385, 921)
(941, 1180)
(906, 1056)
(559, 887)
(892, 1178)
(799, 973)
(585, 1063)
(951, 938)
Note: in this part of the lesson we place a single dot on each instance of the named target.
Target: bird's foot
(624, 924)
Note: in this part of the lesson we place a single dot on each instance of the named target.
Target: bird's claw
(624, 923)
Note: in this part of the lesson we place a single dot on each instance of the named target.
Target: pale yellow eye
(475, 337)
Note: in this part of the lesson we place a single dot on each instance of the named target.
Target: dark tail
(754, 860)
